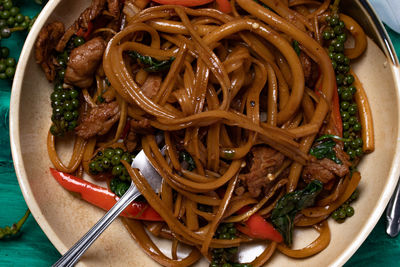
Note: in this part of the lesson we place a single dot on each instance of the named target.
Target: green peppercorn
(353, 109)
(78, 41)
(342, 38)
(127, 157)
(10, 71)
(61, 73)
(339, 47)
(351, 154)
(346, 60)
(357, 127)
(358, 142)
(72, 124)
(75, 103)
(339, 79)
(344, 105)
(345, 116)
(119, 151)
(352, 89)
(58, 87)
(14, 11)
(224, 236)
(352, 120)
(5, 14)
(339, 57)
(335, 215)
(346, 126)
(109, 153)
(115, 160)
(326, 35)
(358, 152)
(19, 18)
(116, 170)
(3, 76)
(334, 65)
(341, 213)
(68, 116)
(3, 68)
(349, 79)
(11, 22)
(10, 62)
(349, 211)
(5, 32)
(334, 21)
(346, 95)
(75, 114)
(7, 5)
(346, 134)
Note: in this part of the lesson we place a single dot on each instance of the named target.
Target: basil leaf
(324, 148)
(185, 156)
(296, 47)
(289, 205)
(151, 64)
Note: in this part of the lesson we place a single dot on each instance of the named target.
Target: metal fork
(76, 251)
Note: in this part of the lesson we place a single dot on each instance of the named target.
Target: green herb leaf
(324, 149)
(289, 205)
(185, 156)
(151, 64)
(296, 47)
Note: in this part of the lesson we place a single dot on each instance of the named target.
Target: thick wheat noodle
(76, 157)
(316, 246)
(328, 209)
(365, 114)
(139, 235)
(175, 225)
(304, 2)
(325, 66)
(360, 39)
(218, 216)
(338, 190)
(258, 206)
(309, 221)
(321, 9)
(272, 96)
(264, 256)
(88, 153)
(284, 47)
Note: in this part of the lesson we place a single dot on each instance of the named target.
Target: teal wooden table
(32, 248)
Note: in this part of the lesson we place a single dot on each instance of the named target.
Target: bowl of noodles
(274, 125)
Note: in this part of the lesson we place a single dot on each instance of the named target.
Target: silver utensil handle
(75, 252)
(393, 213)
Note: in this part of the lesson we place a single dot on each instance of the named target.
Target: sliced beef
(265, 162)
(152, 85)
(141, 126)
(99, 120)
(130, 140)
(113, 7)
(325, 169)
(83, 62)
(310, 69)
(45, 45)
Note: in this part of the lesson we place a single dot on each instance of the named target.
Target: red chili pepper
(257, 227)
(224, 6)
(103, 198)
(85, 33)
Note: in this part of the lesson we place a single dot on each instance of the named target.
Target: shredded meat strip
(265, 161)
(99, 120)
(45, 45)
(325, 169)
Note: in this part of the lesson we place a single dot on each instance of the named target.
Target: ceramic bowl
(65, 218)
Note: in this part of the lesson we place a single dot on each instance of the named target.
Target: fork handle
(77, 250)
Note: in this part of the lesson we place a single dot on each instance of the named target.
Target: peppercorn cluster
(336, 36)
(64, 100)
(7, 64)
(345, 210)
(11, 20)
(109, 161)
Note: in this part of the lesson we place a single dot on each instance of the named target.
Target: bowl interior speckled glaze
(65, 218)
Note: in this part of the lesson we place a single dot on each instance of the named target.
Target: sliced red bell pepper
(103, 198)
(85, 33)
(257, 227)
(224, 6)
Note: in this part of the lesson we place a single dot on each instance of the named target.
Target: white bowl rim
(40, 218)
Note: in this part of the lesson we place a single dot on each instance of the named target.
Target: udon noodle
(254, 85)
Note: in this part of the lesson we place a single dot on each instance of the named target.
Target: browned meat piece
(130, 140)
(325, 170)
(310, 69)
(88, 15)
(44, 46)
(265, 161)
(113, 7)
(99, 120)
(151, 85)
(141, 127)
(83, 62)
